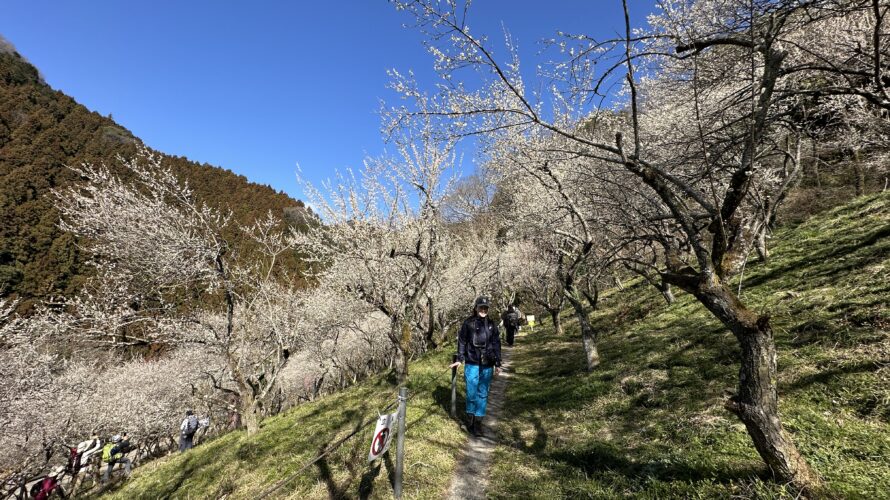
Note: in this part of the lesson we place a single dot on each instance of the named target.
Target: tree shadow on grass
(187, 470)
(326, 475)
(671, 382)
(829, 255)
(324, 472)
(539, 442)
(442, 398)
(600, 458)
(366, 487)
(827, 376)
(390, 468)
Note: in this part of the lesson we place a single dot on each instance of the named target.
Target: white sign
(382, 435)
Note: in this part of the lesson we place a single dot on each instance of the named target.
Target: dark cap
(189, 412)
(480, 302)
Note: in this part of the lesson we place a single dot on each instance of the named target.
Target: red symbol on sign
(379, 441)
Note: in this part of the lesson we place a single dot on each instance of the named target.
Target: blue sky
(258, 87)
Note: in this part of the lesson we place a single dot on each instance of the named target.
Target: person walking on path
(113, 453)
(49, 485)
(511, 319)
(187, 430)
(479, 350)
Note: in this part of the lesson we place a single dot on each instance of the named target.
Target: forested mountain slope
(649, 422)
(43, 130)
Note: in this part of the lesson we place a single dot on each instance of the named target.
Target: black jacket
(486, 350)
(511, 318)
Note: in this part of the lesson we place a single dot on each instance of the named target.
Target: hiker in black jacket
(479, 350)
(511, 318)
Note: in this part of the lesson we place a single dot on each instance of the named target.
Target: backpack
(107, 455)
(74, 460)
(42, 489)
(191, 427)
(511, 319)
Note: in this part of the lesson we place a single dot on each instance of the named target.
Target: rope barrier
(340, 442)
(325, 453)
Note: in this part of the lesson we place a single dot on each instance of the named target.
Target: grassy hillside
(649, 422)
(243, 467)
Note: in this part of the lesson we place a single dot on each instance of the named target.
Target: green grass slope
(649, 423)
(235, 466)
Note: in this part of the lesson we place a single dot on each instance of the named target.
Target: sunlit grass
(649, 422)
(243, 467)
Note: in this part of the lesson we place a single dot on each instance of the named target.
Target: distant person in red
(50, 485)
(479, 350)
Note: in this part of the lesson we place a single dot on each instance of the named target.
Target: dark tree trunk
(401, 366)
(757, 402)
(557, 323)
(760, 244)
(431, 325)
(816, 175)
(859, 173)
(588, 336)
(317, 385)
(665, 289)
(250, 412)
(443, 327)
(400, 334)
(594, 298)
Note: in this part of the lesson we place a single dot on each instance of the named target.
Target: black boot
(471, 422)
(477, 426)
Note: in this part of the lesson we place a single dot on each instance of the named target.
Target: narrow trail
(471, 475)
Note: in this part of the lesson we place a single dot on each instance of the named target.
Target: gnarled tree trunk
(431, 323)
(592, 298)
(757, 402)
(557, 323)
(665, 289)
(588, 336)
(858, 173)
(760, 244)
(400, 334)
(250, 412)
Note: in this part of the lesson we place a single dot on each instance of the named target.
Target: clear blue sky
(257, 87)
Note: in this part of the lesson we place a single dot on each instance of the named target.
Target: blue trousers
(478, 379)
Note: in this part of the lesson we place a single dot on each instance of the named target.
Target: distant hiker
(113, 453)
(50, 485)
(79, 459)
(512, 319)
(124, 445)
(187, 430)
(479, 349)
(80, 455)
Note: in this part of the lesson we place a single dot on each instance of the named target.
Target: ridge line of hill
(41, 131)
